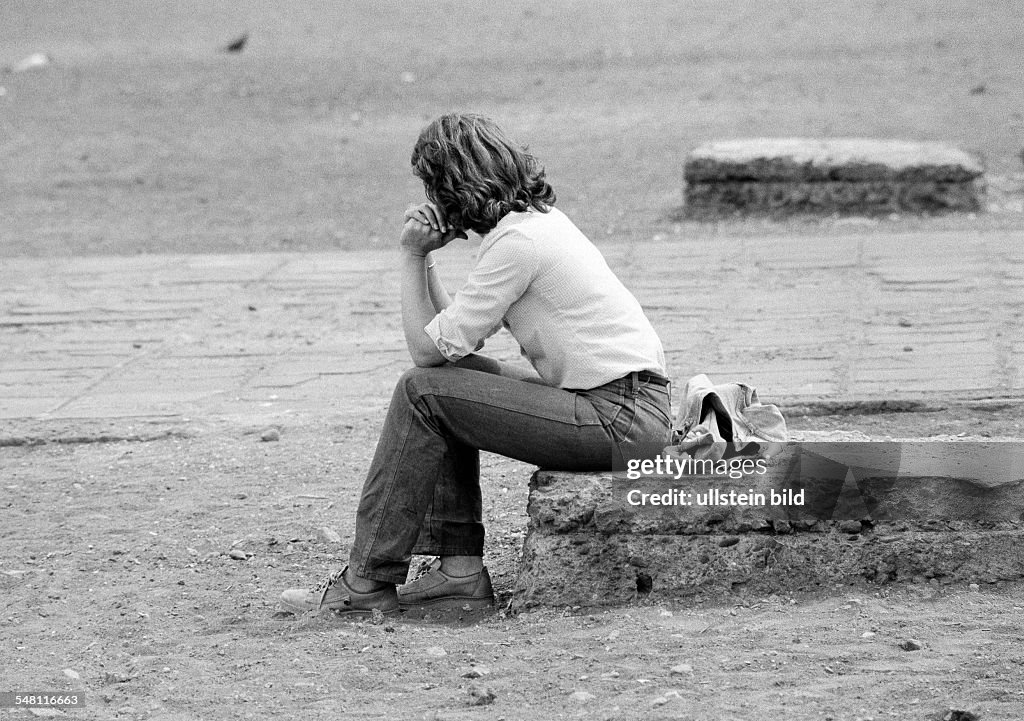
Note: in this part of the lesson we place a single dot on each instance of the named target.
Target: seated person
(599, 379)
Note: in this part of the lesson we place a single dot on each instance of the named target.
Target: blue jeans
(422, 492)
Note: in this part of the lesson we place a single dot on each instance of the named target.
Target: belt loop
(634, 379)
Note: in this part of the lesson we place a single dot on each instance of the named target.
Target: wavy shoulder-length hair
(475, 174)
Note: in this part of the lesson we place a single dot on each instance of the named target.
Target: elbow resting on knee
(428, 360)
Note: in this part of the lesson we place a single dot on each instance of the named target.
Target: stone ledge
(952, 511)
(826, 175)
(586, 569)
(812, 160)
(952, 486)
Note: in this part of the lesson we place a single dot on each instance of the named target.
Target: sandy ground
(116, 569)
(118, 579)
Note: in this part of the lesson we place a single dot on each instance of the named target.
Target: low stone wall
(948, 519)
(845, 175)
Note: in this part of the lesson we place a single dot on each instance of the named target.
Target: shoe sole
(360, 613)
(338, 611)
(450, 602)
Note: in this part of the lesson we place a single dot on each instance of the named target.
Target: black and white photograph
(453, 361)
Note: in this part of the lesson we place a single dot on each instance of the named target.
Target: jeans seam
(654, 407)
(481, 401)
(451, 551)
(392, 482)
(632, 419)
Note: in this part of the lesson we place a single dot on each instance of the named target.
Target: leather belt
(648, 377)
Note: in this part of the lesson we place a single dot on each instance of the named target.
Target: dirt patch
(151, 570)
(143, 136)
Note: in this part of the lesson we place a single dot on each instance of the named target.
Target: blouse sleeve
(502, 274)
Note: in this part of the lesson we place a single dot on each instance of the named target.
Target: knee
(414, 375)
(415, 382)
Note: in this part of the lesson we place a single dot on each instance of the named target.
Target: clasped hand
(426, 229)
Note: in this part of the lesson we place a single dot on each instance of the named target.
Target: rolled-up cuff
(449, 349)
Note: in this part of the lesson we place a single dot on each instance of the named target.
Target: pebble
(850, 527)
(476, 671)
(582, 696)
(237, 554)
(75, 680)
(436, 651)
(329, 535)
(270, 434)
(376, 617)
(31, 62)
(868, 634)
(481, 696)
(911, 644)
(974, 587)
(681, 669)
(116, 677)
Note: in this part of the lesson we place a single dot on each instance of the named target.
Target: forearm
(439, 297)
(485, 364)
(417, 311)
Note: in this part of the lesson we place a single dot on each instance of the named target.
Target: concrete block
(851, 175)
(587, 569)
(870, 513)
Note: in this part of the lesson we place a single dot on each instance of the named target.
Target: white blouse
(541, 278)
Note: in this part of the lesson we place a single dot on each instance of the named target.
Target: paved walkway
(262, 338)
